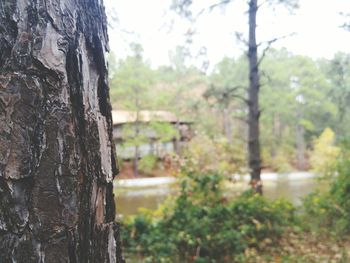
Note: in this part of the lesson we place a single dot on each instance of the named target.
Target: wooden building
(142, 130)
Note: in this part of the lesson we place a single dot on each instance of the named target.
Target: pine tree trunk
(57, 159)
(253, 94)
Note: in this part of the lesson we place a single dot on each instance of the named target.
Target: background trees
(298, 100)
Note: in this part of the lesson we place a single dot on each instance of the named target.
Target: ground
(302, 247)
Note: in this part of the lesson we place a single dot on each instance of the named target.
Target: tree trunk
(137, 134)
(300, 142)
(253, 94)
(57, 158)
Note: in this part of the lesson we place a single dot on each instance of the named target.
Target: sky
(314, 28)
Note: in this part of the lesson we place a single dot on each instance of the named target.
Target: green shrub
(332, 209)
(147, 163)
(203, 226)
(207, 155)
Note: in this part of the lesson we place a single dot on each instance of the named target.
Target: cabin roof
(122, 117)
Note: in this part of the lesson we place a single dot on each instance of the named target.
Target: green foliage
(163, 131)
(319, 90)
(332, 209)
(292, 84)
(203, 226)
(204, 154)
(281, 162)
(131, 82)
(147, 164)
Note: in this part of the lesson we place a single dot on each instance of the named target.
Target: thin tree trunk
(57, 158)
(253, 94)
(137, 133)
(300, 142)
(177, 125)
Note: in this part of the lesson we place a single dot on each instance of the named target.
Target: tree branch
(246, 101)
(268, 46)
(221, 3)
(240, 38)
(263, 3)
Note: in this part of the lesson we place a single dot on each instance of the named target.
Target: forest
(294, 209)
(303, 103)
(304, 127)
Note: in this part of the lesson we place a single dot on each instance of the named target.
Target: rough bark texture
(253, 105)
(57, 159)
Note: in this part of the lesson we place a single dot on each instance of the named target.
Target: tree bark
(57, 158)
(253, 105)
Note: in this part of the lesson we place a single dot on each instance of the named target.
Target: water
(292, 187)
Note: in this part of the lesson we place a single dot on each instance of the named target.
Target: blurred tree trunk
(253, 102)
(57, 158)
(300, 141)
(137, 134)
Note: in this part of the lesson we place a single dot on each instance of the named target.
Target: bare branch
(345, 25)
(268, 46)
(263, 3)
(240, 38)
(221, 3)
(265, 75)
(246, 101)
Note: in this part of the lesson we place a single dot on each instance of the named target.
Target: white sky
(315, 24)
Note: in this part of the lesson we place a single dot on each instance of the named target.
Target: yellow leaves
(325, 153)
(257, 224)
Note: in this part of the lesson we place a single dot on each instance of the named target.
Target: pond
(131, 195)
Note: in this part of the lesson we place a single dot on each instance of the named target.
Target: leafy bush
(281, 160)
(206, 155)
(332, 209)
(203, 226)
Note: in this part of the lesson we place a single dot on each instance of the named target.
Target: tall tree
(297, 107)
(130, 86)
(227, 84)
(57, 158)
(254, 159)
(338, 74)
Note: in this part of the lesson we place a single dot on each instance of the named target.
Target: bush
(204, 154)
(332, 209)
(203, 226)
(324, 154)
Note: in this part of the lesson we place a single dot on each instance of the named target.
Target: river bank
(133, 194)
(157, 181)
